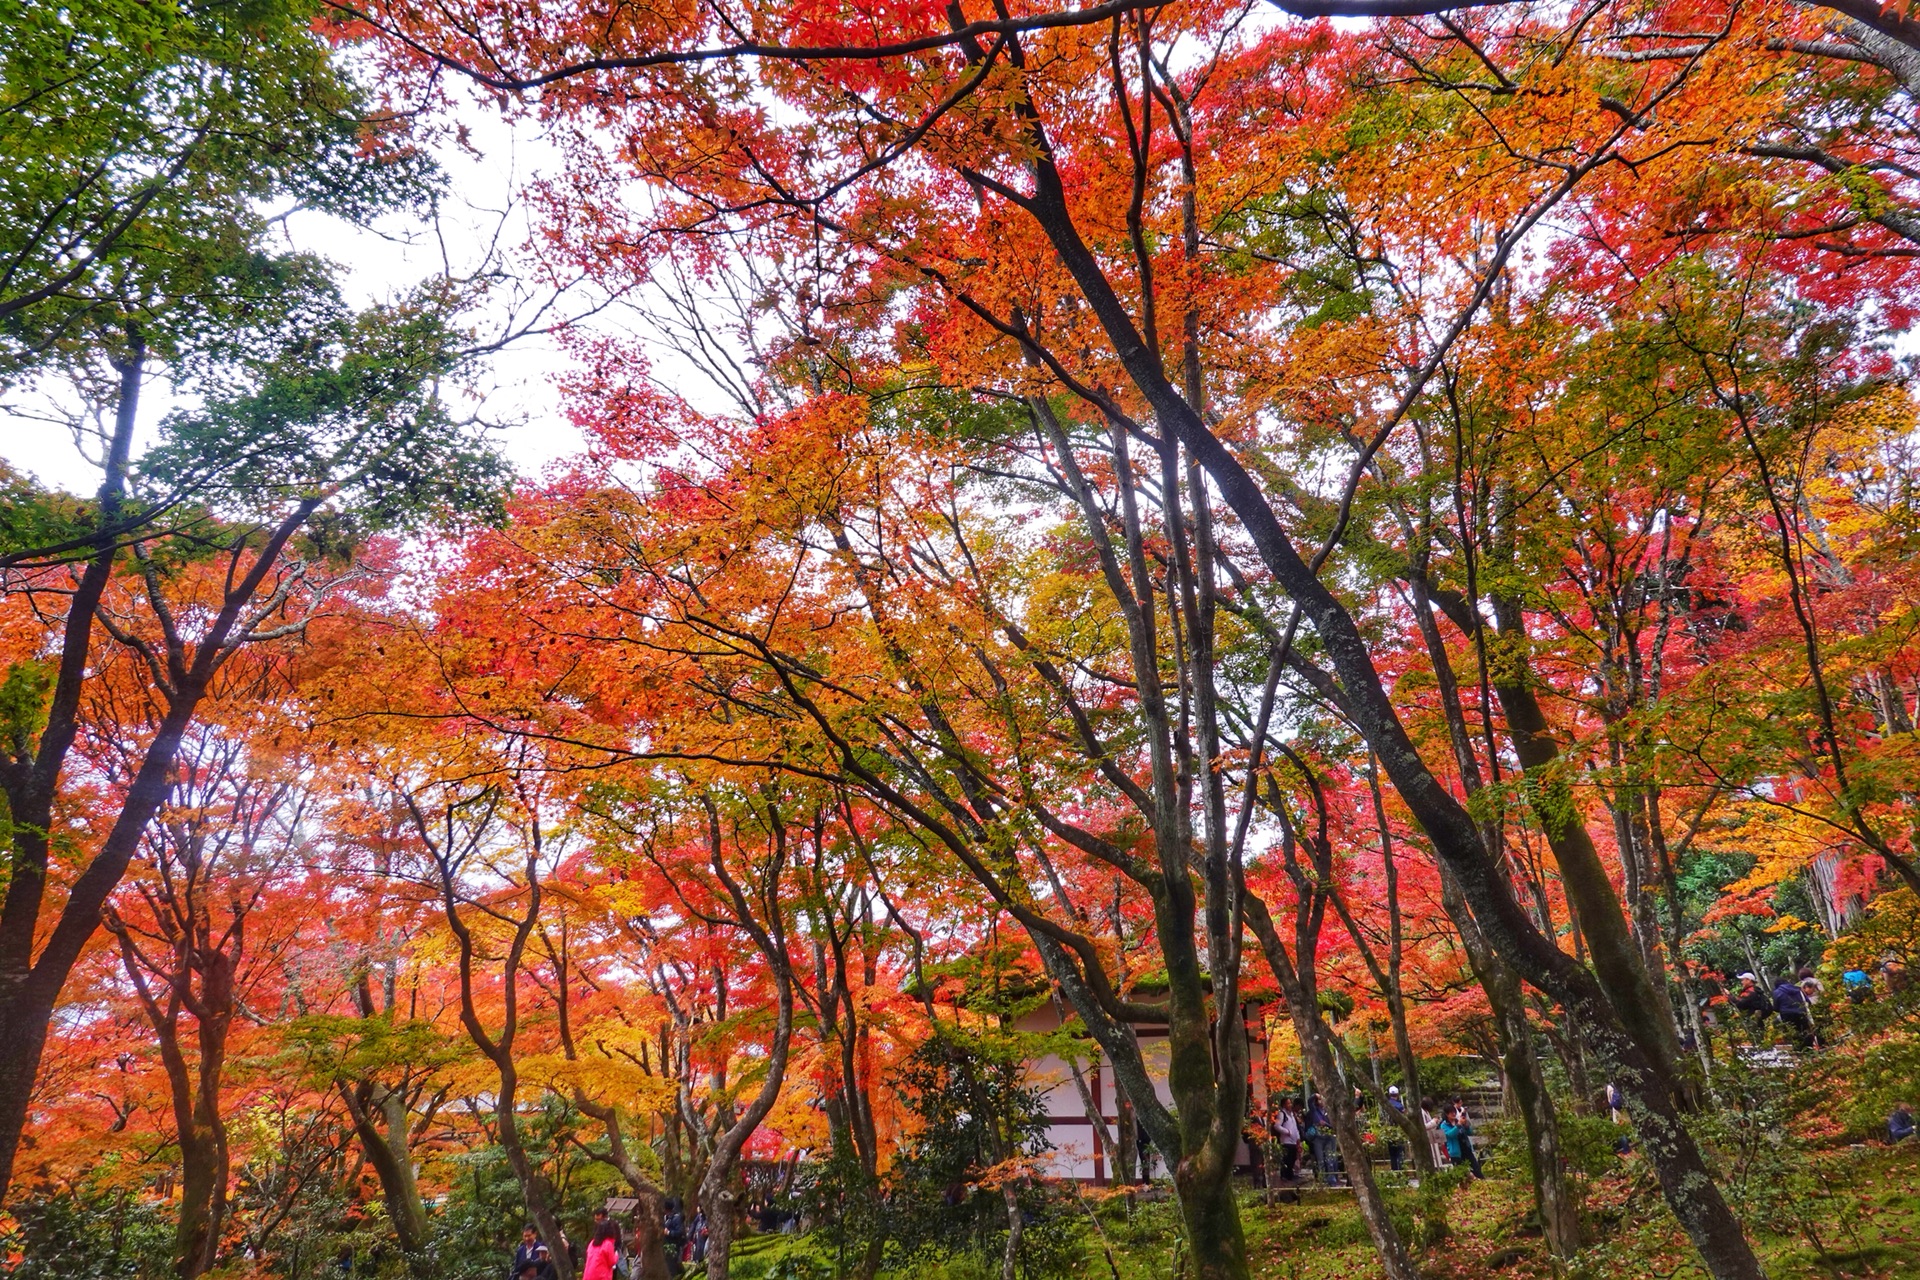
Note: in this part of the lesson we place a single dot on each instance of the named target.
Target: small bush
(90, 1233)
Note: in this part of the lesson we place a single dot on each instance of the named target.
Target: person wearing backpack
(1396, 1146)
(1790, 1006)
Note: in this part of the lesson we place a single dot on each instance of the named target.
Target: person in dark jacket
(674, 1229)
(1900, 1123)
(1752, 1000)
(1790, 1006)
(1320, 1140)
(525, 1256)
(1396, 1148)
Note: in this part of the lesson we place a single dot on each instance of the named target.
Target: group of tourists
(533, 1258)
(1793, 1006)
(683, 1238)
(1308, 1130)
(1791, 1001)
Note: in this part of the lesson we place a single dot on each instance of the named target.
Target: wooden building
(1076, 1152)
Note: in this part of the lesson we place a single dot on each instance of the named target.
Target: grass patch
(1865, 1225)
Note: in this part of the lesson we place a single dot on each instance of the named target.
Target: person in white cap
(1752, 999)
(1396, 1148)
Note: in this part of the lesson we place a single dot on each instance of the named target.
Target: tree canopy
(1128, 560)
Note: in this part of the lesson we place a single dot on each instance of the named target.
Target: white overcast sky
(517, 382)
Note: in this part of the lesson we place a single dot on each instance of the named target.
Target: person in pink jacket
(602, 1252)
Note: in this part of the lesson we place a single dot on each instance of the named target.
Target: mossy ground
(1865, 1225)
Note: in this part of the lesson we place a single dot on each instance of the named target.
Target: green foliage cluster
(88, 1232)
(148, 144)
(152, 150)
(978, 1125)
(1737, 943)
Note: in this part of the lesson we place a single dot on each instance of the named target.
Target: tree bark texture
(1654, 1094)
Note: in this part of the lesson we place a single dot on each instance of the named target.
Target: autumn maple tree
(1393, 533)
(1117, 310)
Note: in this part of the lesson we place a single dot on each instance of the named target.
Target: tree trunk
(1553, 1195)
(1126, 1142)
(870, 1260)
(23, 1039)
(193, 1088)
(1411, 1096)
(392, 1163)
(1195, 1139)
(649, 1239)
(649, 1216)
(716, 1187)
(1210, 1102)
(203, 1198)
(1211, 1215)
(533, 1187)
(1016, 1228)
(30, 988)
(1393, 989)
(203, 1163)
(1336, 1095)
(1643, 1011)
(1388, 1247)
(1689, 1187)
(722, 1213)
(1554, 1199)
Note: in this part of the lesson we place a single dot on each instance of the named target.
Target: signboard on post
(622, 1204)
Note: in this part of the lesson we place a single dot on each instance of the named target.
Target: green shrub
(89, 1233)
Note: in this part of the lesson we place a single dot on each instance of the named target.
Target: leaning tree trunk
(392, 1162)
(649, 1215)
(1553, 1194)
(533, 1187)
(1315, 1044)
(1554, 1199)
(1643, 1010)
(1618, 1033)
